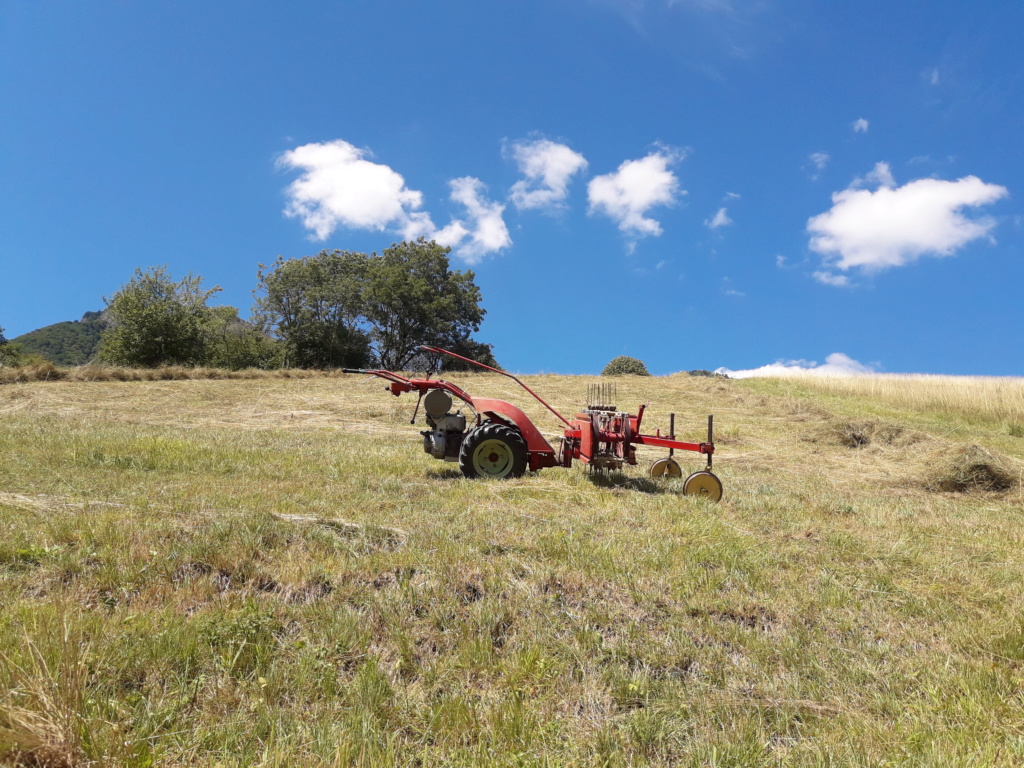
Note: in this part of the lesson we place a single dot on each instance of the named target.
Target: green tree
(412, 297)
(235, 344)
(153, 320)
(12, 355)
(314, 306)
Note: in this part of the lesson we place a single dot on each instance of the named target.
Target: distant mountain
(69, 343)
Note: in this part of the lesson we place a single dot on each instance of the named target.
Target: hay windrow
(99, 373)
(969, 469)
(864, 433)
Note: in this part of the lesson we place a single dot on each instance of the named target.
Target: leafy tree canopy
(413, 298)
(314, 305)
(341, 308)
(235, 344)
(13, 354)
(154, 320)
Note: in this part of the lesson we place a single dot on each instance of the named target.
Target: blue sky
(697, 183)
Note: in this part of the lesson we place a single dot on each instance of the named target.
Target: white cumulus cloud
(629, 193)
(484, 232)
(831, 278)
(340, 187)
(836, 364)
(720, 219)
(892, 226)
(547, 167)
(879, 176)
(820, 160)
(860, 125)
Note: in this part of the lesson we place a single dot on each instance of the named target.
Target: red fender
(535, 442)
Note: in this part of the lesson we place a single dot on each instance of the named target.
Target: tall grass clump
(42, 714)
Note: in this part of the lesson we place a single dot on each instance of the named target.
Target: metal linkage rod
(711, 436)
(438, 350)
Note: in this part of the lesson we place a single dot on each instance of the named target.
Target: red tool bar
(665, 442)
(539, 399)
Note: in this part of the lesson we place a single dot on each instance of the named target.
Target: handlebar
(438, 350)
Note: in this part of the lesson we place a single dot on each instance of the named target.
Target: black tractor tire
(493, 451)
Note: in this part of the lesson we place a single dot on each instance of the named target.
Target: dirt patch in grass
(749, 617)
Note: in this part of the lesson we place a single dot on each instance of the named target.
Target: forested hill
(72, 342)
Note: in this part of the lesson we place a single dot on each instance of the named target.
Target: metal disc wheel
(493, 451)
(703, 484)
(667, 468)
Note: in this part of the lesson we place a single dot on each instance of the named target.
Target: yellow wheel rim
(703, 484)
(667, 468)
(492, 458)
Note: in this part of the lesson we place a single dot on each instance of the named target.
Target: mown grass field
(272, 572)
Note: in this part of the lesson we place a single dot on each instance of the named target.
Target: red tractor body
(504, 442)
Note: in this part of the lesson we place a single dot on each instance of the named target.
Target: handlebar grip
(354, 370)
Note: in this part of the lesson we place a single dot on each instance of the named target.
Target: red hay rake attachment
(504, 442)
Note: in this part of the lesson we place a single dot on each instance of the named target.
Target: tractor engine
(444, 438)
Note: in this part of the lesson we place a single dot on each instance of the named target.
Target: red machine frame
(599, 436)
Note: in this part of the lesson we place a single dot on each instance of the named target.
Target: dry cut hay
(969, 469)
(856, 434)
(861, 434)
(34, 372)
(915, 459)
(385, 537)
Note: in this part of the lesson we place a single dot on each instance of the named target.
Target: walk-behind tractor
(501, 441)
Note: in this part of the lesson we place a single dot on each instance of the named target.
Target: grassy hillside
(272, 572)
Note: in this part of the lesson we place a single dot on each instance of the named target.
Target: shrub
(154, 321)
(623, 365)
(14, 355)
